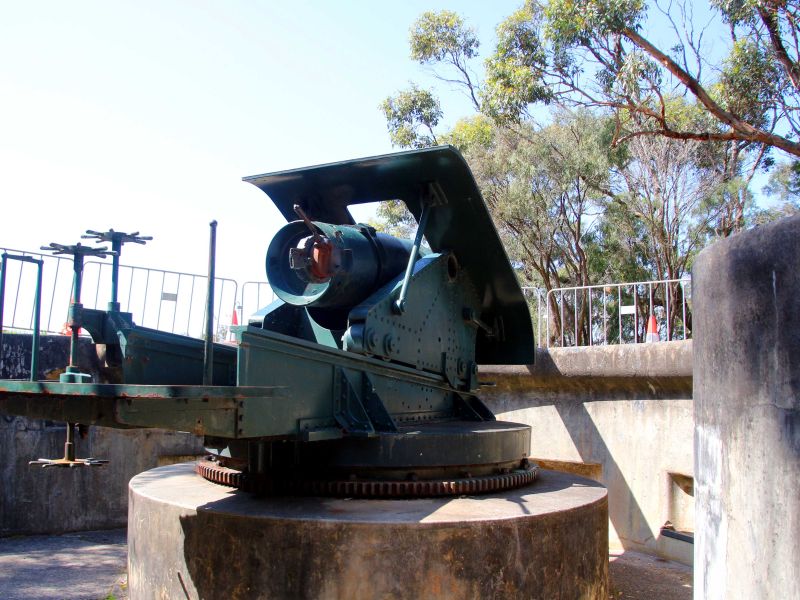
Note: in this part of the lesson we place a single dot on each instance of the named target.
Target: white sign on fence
(630, 309)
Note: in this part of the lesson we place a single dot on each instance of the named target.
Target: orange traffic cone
(652, 330)
(234, 322)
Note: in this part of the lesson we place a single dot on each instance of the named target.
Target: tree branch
(740, 129)
(771, 23)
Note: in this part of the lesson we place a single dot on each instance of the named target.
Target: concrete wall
(620, 414)
(747, 389)
(37, 500)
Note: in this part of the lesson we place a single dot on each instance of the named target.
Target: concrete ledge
(188, 537)
(620, 414)
(662, 367)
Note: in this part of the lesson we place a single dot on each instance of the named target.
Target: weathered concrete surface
(36, 500)
(76, 566)
(189, 537)
(655, 368)
(91, 565)
(624, 413)
(15, 361)
(747, 413)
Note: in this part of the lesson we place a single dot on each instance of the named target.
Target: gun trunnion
(361, 378)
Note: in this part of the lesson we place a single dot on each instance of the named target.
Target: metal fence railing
(21, 287)
(618, 313)
(535, 298)
(166, 300)
(255, 295)
(614, 313)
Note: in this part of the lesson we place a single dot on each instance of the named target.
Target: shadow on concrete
(304, 530)
(74, 566)
(625, 513)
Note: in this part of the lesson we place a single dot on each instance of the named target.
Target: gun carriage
(361, 379)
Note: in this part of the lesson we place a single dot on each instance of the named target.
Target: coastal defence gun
(361, 379)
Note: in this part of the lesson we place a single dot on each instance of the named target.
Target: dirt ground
(642, 577)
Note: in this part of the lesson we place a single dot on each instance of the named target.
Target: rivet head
(372, 339)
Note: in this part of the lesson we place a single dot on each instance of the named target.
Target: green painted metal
(369, 358)
(460, 224)
(205, 410)
(117, 240)
(432, 335)
(72, 374)
(363, 260)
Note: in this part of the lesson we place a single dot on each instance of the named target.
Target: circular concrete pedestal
(189, 538)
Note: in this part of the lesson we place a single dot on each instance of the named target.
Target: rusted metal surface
(215, 472)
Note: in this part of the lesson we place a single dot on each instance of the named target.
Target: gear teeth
(217, 473)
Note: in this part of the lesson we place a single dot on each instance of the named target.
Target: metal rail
(167, 300)
(37, 305)
(617, 313)
(255, 295)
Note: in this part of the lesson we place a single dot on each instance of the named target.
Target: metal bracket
(348, 409)
(380, 417)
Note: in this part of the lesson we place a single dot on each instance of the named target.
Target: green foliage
(439, 36)
(411, 116)
(594, 53)
(393, 217)
(750, 82)
(514, 74)
(784, 186)
(650, 151)
(470, 133)
(577, 22)
(784, 182)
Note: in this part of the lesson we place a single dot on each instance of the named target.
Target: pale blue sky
(146, 115)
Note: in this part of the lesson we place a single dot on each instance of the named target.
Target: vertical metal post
(116, 247)
(191, 302)
(208, 356)
(590, 316)
(575, 313)
(539, 316)
(160, 300)
(37, 307)
(561, 311)
(547, 302)
(683, 307)
(37, 318)
(69, 444)
(667, 290)
(74, 308)
(146, 290)
(619, 311)
(130, 290)
(53, 295)
(3, 269)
